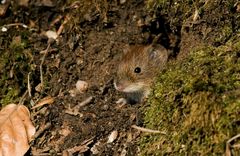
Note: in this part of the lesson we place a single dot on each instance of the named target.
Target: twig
(83, 103)
(80, 149)
(228, 145)
(43, 59)
(147, 130)
(60, 29)
(44, 154)
(236, 146)
(15, 24)
(49, 51)
(41, 130)
(49, 43)
(44, 101)
(29, 85)
(75, 110)
(59, 17)
(233, 138)
(23, 98)
(74, 5)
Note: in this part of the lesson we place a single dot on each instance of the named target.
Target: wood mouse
(137, 69)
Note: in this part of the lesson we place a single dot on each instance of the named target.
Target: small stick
(80, 149)
(15, 24)
(59, 17)
(44, 101)
(43, 59)
(147, 130)
(41, 130)
(60, 29)
(44, 154)
(67, 18)
(228, 145)
(23, 98)
(29, 85)
(75, 110)
(236, 146)
(83, 103)
(233, 138)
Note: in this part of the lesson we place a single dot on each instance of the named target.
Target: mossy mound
(197, 102)
(214, 21)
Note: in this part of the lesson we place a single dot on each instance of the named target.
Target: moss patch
(214, 21)
(14, 68)
(197, 102)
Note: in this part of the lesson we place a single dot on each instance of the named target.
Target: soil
(88, 48)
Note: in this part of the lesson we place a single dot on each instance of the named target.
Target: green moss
(158, 3)
(14, 67)
(10, 97)
(214, 21)
(224, 34)
(196, 101)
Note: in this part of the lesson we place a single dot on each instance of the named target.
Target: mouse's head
(138, 67)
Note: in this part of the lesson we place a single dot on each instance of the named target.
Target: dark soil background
(88, 48)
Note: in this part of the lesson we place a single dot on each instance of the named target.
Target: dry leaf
(16, 130)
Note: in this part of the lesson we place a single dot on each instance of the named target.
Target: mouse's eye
(137, 70)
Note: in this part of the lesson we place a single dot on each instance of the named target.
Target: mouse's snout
(128, 87)
(118, 86)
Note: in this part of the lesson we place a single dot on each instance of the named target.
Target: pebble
(122, 1)
(112, 136)
(81, 86)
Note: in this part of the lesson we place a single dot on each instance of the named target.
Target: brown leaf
(16, 130)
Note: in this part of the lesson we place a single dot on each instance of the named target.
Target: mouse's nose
(118, 86)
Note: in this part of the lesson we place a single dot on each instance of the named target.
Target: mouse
(137, 69)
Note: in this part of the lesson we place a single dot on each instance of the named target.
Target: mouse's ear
(158, 54)
(126, 48)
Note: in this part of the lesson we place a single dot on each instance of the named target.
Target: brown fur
(150, 59)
